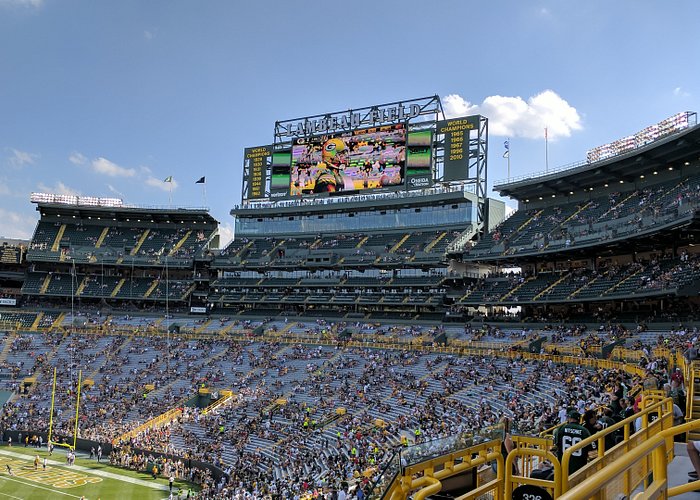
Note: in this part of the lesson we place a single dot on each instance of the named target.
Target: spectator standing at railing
(568, 435)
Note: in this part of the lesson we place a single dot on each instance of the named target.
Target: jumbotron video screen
(400, 146)
(354, 161)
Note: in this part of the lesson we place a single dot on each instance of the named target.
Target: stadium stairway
(7, 346)
(58, 321)
(82, 286)
(57, 240)
(225, 330)
(515, 289)
(550, 287)
(102, 237)
(153, 286)
(278, 244)
(437, 240)
(179, 244)
(399, 243)
(45, 284)
(203, 327)
(109, 356)
(36, 322)
(137, 247)
(588, 284)
(118, 287)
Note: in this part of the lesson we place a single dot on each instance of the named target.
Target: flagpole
(170, 193)
(546, 151)
(509, 158)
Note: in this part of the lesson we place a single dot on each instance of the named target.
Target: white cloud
(160, 184)
(515, 117)
(225, 234)
(59, 188)
(21, 158)
(106, 167)
(16, 225)
(149, 35)
(114, 191)
(679, 92)
(77, 159)
(22, 3)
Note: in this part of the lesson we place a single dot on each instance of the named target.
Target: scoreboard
(399, 146)
(256, 162)
(457, 136)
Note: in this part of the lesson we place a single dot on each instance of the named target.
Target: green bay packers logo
(334, 150)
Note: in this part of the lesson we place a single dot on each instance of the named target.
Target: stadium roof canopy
(126, 214)
(667, 153)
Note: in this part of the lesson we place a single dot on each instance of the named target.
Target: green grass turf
(19, 487)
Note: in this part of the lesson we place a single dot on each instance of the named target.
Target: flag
(168, 179)
(506, 144)
(201, 180)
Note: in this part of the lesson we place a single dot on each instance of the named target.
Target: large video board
(390, 147)
(356, 161)
(359, 160)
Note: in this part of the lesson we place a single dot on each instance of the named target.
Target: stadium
(378, 327)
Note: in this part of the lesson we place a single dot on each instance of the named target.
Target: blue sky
(108, 98)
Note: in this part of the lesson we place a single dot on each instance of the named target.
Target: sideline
(87, 470)
(9, 496)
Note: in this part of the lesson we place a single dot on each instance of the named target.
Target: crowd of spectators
(283, 434)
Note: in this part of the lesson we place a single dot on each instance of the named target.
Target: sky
(109, 98)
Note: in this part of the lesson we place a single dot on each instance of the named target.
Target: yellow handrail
(153, 423)
(689, 374)
(664, 418)
(424, 477)
(658, 447)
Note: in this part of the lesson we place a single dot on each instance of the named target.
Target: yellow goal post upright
(77, 413)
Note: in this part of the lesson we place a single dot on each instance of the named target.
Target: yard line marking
(10, 496)
(35, 486)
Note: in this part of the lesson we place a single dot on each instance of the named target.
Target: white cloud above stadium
(517, 117)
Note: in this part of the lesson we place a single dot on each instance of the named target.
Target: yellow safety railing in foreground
(529, 460)
(633, 478)
(656, 450)
(423, 479)
(689, 375)
(652, 404)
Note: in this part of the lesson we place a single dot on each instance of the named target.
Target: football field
(86, 478)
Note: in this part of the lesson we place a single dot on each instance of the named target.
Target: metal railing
(652, 455)
(563, 481)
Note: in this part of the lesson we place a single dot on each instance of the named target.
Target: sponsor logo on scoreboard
(419, 181)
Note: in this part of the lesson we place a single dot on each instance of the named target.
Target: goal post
(77, 413)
